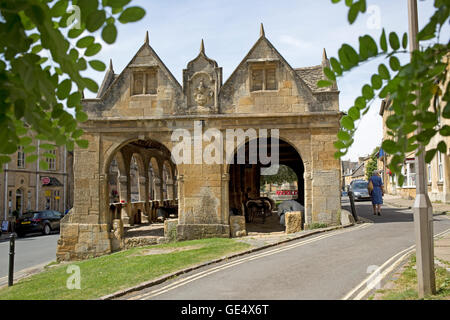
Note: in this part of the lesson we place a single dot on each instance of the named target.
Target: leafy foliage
(410, 89)
(285, 174)
(40, 71)
(372, 164)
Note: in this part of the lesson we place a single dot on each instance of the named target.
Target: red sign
(45, 180)
(287, 192)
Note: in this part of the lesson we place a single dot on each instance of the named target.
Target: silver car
(359, 190)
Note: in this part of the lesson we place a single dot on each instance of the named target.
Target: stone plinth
(237, 226)
(293, 221)
(170, 229)
(201, 231)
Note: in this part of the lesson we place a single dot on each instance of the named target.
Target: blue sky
(299, 29)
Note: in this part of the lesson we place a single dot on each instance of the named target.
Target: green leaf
(43, 165)
(49, 155)
(59, 9)
(81, 116)
(353, 13)
(348, 56)
(93, 49)
(91, 85)
(324, 83)
(74, 99)
(75, 33)
(64, 89)
(367, 92)
(389, 146)
(383, 42)
(29, 149)
(330, 74)
(405, 41)
(118, 3)
(376, 81)
(97, 65)
(82, 143)
(46, 146)
(344, 135)
(24, 141)
(394, 63)
(347, 123)
(383, 72)
(132, 14)
(429, 155)
(336, 66)
(442, 147)
(85, 42)
(109, 33)
(394, 41)
(354, 113)
(95, 20)
(77, 133)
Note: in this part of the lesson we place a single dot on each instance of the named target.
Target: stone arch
(244, 179)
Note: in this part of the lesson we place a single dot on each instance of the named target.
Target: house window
(51, 160)
(20, 158)
(409, 171)
(263, 78)
(29, 200)
(440, 167)
(145, 82)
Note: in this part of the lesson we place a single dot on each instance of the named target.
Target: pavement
(334, 265)
(399, 202)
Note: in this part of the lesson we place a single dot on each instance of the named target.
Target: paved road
(327, 266)
(30, 251)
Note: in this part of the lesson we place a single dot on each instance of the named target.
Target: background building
(25, 187)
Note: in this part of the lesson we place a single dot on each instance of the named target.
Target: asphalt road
(32, 250)
(327, 266)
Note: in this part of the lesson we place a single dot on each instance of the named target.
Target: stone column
(170, 189)
(225, 198)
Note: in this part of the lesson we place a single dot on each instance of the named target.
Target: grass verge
(405, 287)
(121, 270)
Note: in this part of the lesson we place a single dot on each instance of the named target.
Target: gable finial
(110, 65)
(146, 37)
(202, 47)
(324, 55)
(261, 31)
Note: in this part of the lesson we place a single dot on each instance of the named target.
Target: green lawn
(107, 274)
(405, 287)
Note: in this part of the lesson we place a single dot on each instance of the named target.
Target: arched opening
(135, 182)
(256, 189)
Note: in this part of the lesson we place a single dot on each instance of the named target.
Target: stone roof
(311, 75)
(359, 171)
(349, 165)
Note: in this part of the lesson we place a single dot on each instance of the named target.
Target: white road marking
(205, 273)
(403, 253)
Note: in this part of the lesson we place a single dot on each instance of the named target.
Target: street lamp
(423, 210)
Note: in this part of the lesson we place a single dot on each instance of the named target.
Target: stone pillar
(84, 232)
(226, 198)
(170, 189)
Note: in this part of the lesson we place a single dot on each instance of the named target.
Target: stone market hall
(128, 171)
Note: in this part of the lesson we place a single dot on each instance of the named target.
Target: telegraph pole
(423, 210)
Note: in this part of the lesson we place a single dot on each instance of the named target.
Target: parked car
(44, 221)
(359, 190)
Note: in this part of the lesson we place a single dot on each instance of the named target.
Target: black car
(38, 221)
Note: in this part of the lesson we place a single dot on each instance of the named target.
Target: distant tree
(285, 174)
(425, 74)
(372, 164)
(40, 71)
